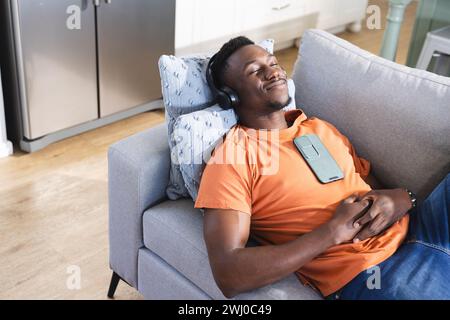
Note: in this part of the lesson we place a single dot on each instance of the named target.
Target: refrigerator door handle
(96, 3)
(108, 1)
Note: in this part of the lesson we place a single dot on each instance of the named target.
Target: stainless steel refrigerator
(79, 64)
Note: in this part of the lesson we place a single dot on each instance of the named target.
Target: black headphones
(225, 96)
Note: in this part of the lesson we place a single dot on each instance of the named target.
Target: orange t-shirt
(260, 172)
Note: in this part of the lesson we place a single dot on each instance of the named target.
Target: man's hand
(342, 224)
(387, 207)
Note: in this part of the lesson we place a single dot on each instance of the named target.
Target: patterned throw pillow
(185, 90)
(196, 134)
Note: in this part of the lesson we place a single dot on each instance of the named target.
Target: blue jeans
(420, 268)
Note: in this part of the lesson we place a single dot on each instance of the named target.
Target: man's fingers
(363, 235)
(354, 197)
(372, 229)
(368, 196)
(367, 217)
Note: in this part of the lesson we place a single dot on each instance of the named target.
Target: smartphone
(318, 158)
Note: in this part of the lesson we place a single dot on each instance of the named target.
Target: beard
(280, 105)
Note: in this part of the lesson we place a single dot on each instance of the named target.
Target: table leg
(391, 34)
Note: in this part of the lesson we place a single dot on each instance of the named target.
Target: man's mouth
(277, 83)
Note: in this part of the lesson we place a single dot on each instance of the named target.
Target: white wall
(6, 148)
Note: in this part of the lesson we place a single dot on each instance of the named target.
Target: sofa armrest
(138, 173)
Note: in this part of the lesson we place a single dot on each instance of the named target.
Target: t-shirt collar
(295, 117)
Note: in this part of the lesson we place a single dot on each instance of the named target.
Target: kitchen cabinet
(80, 64)
(203, 25)
(6, 148)
(218, 13)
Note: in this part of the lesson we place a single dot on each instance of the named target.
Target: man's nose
(273, 73)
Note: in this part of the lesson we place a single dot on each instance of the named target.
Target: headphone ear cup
(226, 97)
(230, 97)
(223, 99)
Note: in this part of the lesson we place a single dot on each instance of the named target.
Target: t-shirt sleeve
(362, 166)
(225, 184)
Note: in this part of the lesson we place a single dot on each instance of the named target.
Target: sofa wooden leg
(113, 285)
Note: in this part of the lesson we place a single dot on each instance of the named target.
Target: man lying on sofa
(329, 234)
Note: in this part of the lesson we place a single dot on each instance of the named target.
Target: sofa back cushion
(397, 117)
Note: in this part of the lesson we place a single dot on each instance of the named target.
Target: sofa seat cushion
(174, 231)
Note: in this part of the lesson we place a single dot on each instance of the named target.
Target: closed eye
(258, 70)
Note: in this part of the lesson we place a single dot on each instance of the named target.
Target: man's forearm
(254, 267)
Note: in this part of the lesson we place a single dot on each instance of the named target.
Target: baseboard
(37, 144)
(6, 149)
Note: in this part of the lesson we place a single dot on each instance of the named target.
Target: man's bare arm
(237, 268)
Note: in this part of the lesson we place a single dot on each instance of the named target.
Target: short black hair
(220, 65)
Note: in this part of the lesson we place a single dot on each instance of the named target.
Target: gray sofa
(395, 116)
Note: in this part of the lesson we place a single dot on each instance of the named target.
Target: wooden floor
(54, 208)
